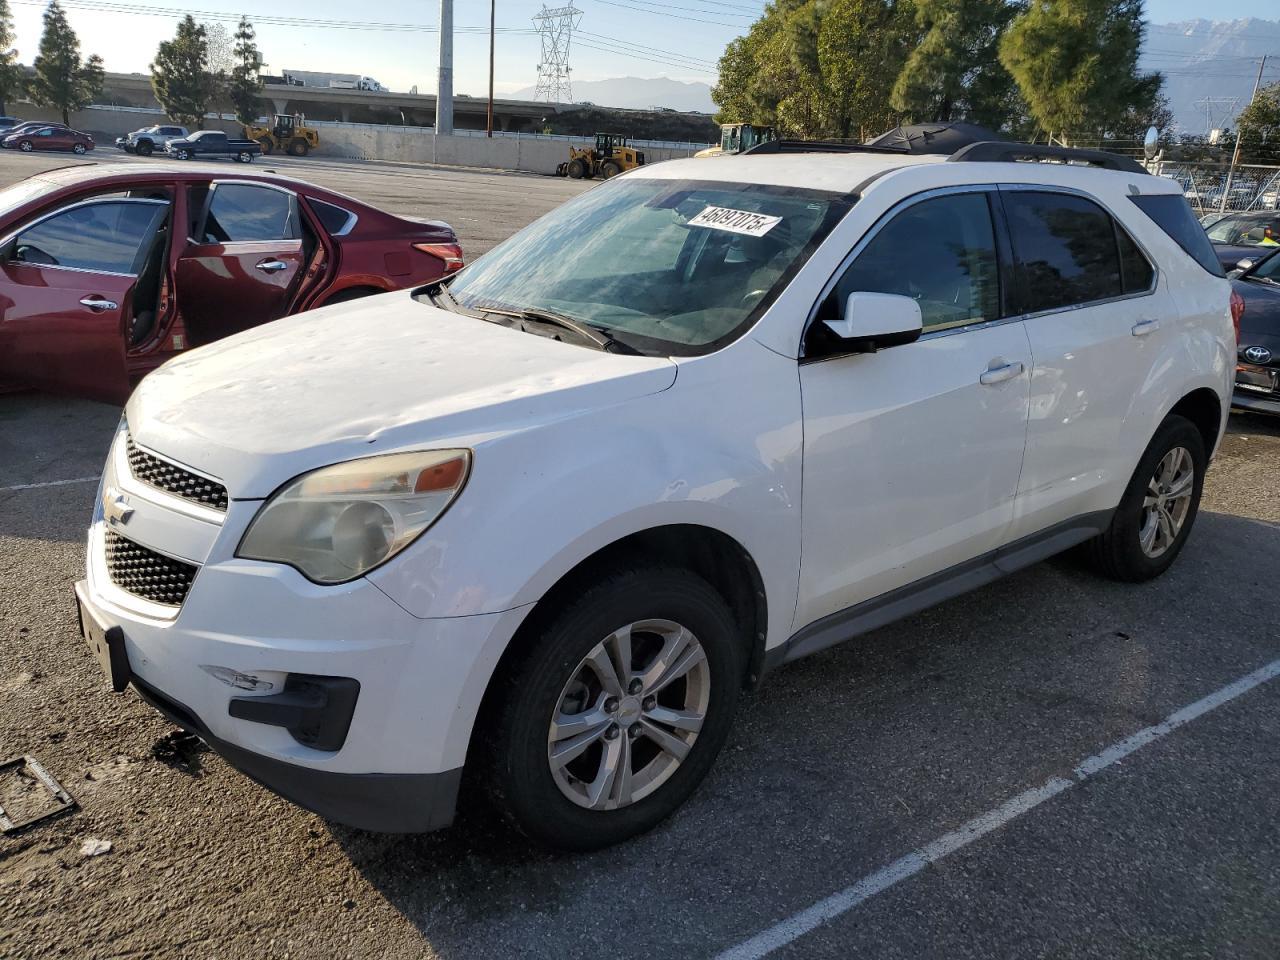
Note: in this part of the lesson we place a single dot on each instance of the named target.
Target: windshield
(1246, 230)
(668, 267)
(1268, 269)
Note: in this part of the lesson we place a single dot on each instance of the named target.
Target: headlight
(339, 522)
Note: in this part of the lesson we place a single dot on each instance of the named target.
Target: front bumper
(1255, 402)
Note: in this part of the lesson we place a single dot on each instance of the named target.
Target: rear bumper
(1255, 402)
(380, 802)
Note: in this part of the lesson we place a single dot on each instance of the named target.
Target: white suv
(544, 520)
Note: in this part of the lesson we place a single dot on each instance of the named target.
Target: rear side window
(1066, 250)
(1173, 215)
(333, 218)
(106, 237)
(243, 213)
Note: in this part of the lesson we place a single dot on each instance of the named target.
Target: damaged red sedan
(107, 272)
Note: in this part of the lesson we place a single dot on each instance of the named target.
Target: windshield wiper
(597, 336)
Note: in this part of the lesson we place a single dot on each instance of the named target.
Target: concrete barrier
(365, 142)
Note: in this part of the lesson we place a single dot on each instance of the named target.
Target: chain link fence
(1205, 185)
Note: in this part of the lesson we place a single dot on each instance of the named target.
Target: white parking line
(48, 483)
(796, 926)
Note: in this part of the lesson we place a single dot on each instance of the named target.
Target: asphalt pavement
(841, 767)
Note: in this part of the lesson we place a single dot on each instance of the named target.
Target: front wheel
(184, 154)
(1156, 513)
(26, 146)
(78, 149)
(618, 711)
(267, 146)
(143, 149)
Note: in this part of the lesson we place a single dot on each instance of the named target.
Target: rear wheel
(577, 169)
(244, 156)
(298, 147)
(617, 712)
(609, 169)
(1158, 508)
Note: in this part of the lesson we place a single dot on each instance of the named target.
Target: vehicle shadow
(844, 761)
(1258, 424)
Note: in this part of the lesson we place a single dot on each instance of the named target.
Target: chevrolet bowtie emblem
(116, 508)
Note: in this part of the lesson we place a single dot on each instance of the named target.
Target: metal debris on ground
(29, 770)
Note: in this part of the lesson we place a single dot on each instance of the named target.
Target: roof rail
(820, 146)
(991, 151)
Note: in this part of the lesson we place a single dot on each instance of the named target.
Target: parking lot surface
(840, 767)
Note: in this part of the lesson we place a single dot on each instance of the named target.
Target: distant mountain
(1207, 64)
(637, 93)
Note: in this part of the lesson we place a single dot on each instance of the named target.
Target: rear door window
(1172, 214)
(106, 237)
(241, 212)
(1065, 248)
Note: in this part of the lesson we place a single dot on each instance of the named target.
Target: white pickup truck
(148, 140)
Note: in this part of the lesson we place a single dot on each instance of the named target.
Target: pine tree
(245, 82)
(954, 73)
(180, 75)
(61, 80)
(1076, 64)
(11, 78)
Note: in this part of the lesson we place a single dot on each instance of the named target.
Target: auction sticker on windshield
(735, 221)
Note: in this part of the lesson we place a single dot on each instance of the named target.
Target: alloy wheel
(629, 714)
(1167, 502)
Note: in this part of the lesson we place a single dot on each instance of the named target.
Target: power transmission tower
(555, 25)
(1217, 111)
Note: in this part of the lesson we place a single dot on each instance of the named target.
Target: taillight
(1237, 311)
(450, 253)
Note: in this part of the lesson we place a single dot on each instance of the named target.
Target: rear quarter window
(1172, 214)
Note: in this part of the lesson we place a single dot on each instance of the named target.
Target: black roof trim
(990, 151)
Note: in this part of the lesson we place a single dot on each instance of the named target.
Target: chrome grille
(174, 479)
(147, 574)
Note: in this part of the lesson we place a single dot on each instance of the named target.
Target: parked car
(547, 518)
(106, 272)
(1238, 236)
(50, 138)
(213, 145)
(1258, 354)
(32, 125)
(8, 123)
(148, 140)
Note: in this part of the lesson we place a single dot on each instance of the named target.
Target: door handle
(998, 373)
(1143, 327)
(272, 266)
(98, 304)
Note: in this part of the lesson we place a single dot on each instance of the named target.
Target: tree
(10, 71)
(954, 73)
(245, 83)
(1259, 126)
(1076, 64)
(62, 81)
(180, 75)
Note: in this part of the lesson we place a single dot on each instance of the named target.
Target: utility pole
(444, 81)
(493, 5)
(1235, 154)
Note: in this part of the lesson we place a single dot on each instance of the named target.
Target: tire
(298, 148)
(244, 156)
(577, 169)
(267, 146)
(26, 146)
(609, 169)
(534, 792)
(184, 154)
(78, 149)
(1121, 552)
(144, 148)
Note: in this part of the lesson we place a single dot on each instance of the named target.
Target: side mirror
(873, 321)
(1245, 264)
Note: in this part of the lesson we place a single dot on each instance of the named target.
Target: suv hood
(359, 379)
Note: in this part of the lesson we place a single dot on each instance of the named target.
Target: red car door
(243, 263)
(66, 295)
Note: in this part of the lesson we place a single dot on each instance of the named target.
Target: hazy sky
(675, 38)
